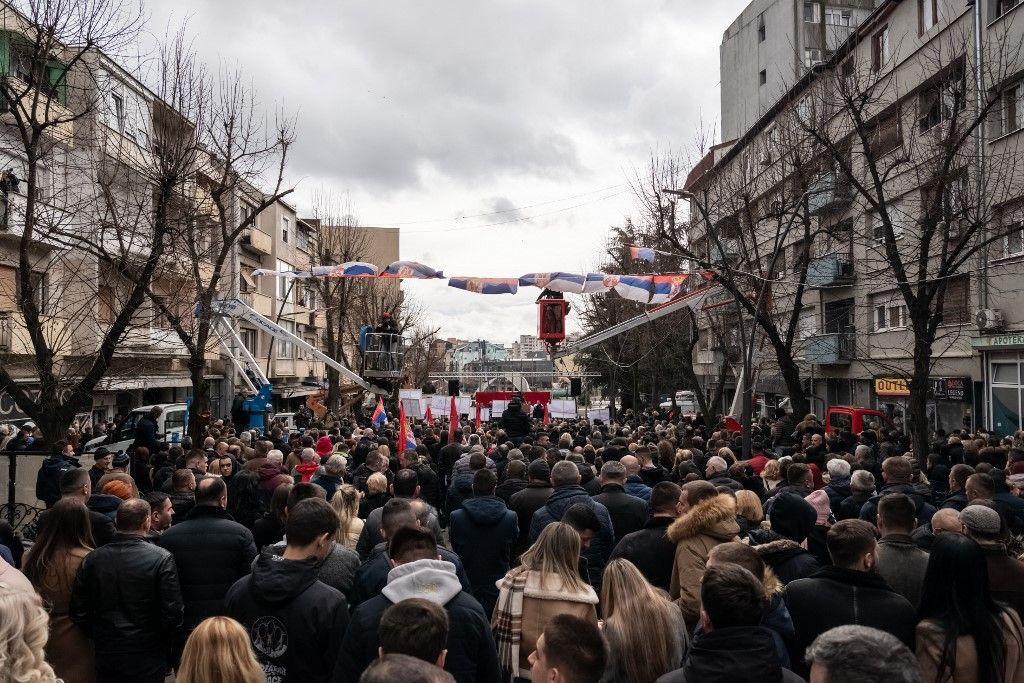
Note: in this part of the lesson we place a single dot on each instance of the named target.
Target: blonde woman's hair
(385, 451)
(376, 483)
(24, 628)
(556, 551)
(345, 502)
(772, 470)
(218, 651)
(749, 506)
(634, 610)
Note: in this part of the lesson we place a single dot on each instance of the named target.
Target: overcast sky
(449, 118)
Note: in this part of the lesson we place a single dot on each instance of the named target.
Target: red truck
(854, 419)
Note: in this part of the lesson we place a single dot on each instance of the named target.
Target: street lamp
(683, 194)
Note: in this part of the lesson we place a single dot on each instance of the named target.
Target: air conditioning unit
(991, 320)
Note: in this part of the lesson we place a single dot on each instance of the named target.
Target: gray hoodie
(432, 580)
(338, 569)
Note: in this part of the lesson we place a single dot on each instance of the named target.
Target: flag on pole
(405, 438)
(547, 412)
(453, 421)
(380, 416)
(641, 253)
(478, 416)
(429, 416)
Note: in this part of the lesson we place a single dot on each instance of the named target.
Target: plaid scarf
(507, 621)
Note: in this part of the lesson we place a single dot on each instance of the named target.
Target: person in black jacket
(295, 622)
(372, 575)
(897, 471)
(792, 519)
(211, 550)
(76, 484)
(515, 422)
(628, 513)
(472, 655)
(530, 499)
(733, 646)
(482, 533)
(146, 430)
(514, 482)
(53, 466)
(649, 549)
(849, 592)
(127, 599)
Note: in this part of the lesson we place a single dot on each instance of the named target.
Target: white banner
(413, 408)
(563, 408)
(410, 393)
(439, 405)
(602, 414)
(498, 407)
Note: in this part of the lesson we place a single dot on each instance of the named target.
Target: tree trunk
(199, 409)
(798, 400)
(919, 429)
(715, 404)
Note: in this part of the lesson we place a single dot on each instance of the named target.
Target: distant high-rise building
(771, 45)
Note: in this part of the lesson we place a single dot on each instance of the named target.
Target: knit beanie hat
(324, 446)
(118, 488)
(981, 518)
(792, 516)
(822, 506)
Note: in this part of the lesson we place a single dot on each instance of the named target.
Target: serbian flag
(635, 287)
(667, 287)
(405, 438)
(347, 269)
(547, 413)
(411, 269)
(453, 421)
(429, 416)
(641, 253)
(380, 416)
(485, 285)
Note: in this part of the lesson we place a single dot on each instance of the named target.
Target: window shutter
(8, 289)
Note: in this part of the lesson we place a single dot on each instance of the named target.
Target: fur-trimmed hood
(715, 517)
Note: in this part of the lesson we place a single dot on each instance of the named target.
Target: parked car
(170, 424)
(685, 401)
(855, 419)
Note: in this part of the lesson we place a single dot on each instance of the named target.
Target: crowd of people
(648, 549)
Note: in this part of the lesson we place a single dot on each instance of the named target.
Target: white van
(170, 426)
(686, 401)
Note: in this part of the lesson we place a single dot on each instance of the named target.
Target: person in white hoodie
(420, 573)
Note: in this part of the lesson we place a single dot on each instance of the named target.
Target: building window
(1013, 242)
(812, 56)
(248, 211)
(1004, 6)
(878, 231)
(1012, 105)
(106, 304)
(888, 134)
(118, 102)
(142, 137)
(889, 312)
(284, 284)
(837, 17)
(956, 306)
(44, 183)
(285, 349)
(249, 339)
(812, 12)
(807, 324)
(937, 105)
(285, 226)
(880, 49)
(302, 235)
(927, 14)
(761, 33)
(762, 77)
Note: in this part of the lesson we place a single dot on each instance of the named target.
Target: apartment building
(852, 341)
(281, 240)
(528, 346)
(773, 43)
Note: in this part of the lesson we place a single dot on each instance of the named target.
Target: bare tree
(916, 164)
(51, 93)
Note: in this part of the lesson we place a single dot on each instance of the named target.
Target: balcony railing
(827, 194)
(257, 240)
(725, 250)
(830, 271)
(831, 348)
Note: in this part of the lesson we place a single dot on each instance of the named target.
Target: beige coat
(69, 651)
(543, 601)
(930, 638)
(709, 523)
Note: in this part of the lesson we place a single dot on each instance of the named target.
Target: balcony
(260, 303)
(830, 271)
(833, 348)
(827, 194)
(257, 241)
(725, 250)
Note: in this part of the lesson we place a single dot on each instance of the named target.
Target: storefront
(949, 401)
(1003, 362)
